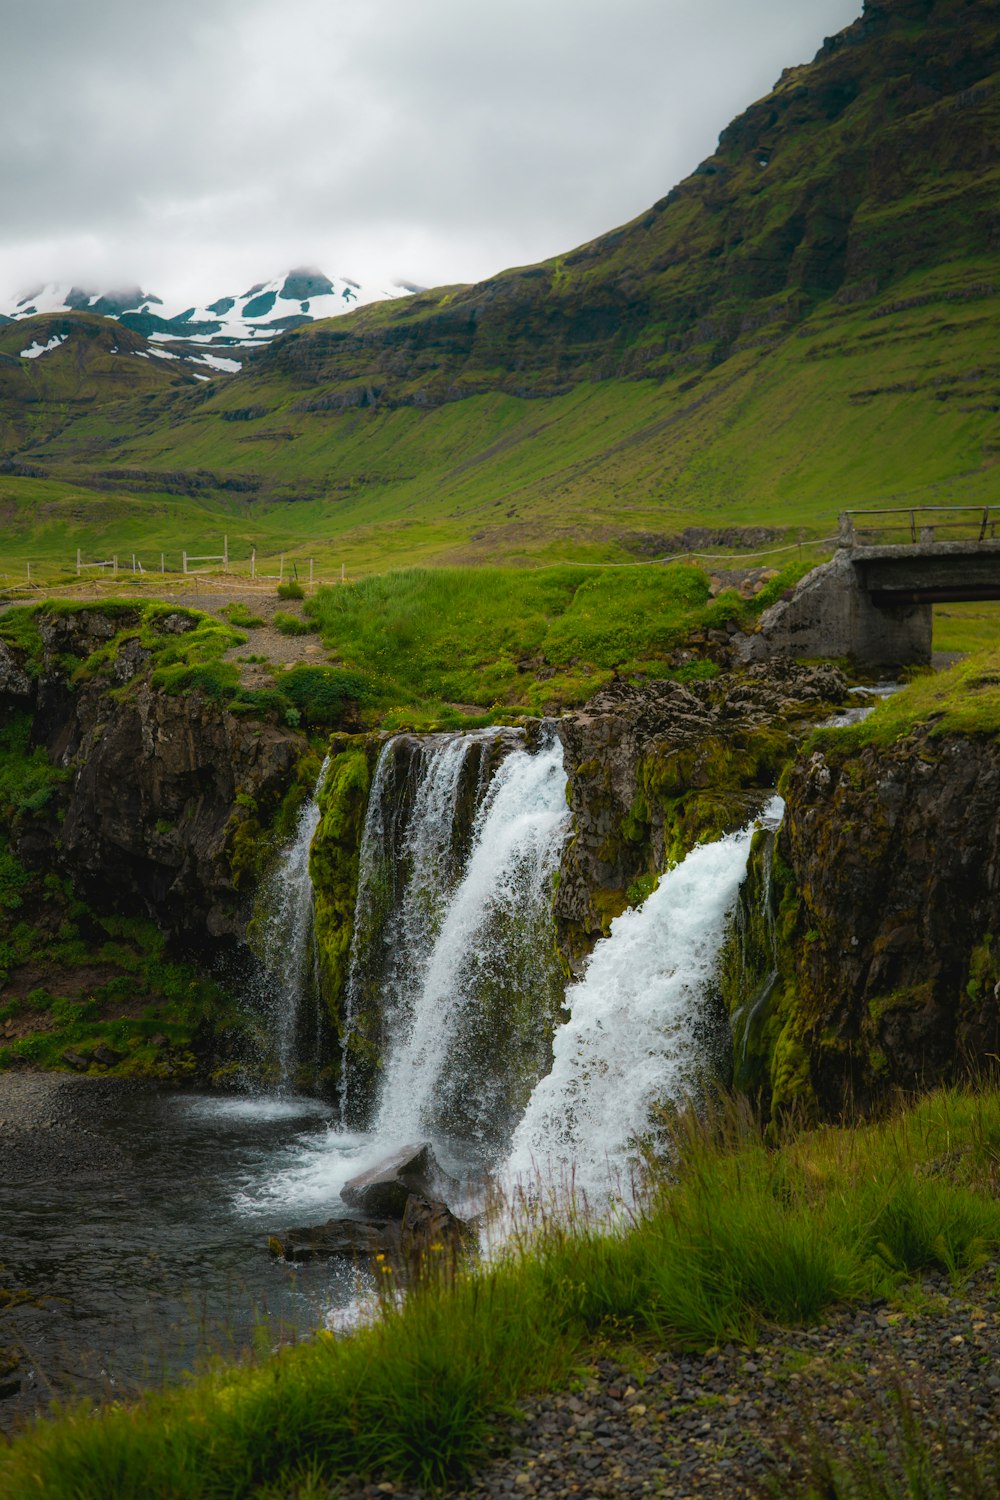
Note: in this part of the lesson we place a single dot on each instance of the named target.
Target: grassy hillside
(805, 323)
(58, 368)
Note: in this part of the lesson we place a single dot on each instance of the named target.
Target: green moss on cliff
(887, 967)
(686, 795)
(99, 994)
(333, 861)
(28, 779)
(258, 826)
(700, 791)
(19, 628)
(759, 988)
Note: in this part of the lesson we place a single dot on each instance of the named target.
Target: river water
(137, 1220)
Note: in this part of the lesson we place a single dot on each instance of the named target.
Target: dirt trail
(213, 595)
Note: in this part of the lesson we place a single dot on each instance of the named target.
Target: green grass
(239, 615)
(494, 639)
(741, 1238)
(965, 699)
(913, 1457)
(288, 624)
(967, 627)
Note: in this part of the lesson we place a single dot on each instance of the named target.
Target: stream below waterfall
(137, 1217)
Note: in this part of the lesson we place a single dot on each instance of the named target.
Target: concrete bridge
(874, 602)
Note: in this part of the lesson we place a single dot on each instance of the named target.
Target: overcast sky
(198, 146)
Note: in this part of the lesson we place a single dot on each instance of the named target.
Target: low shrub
(292, 624)
(244, 619)
(322, 695)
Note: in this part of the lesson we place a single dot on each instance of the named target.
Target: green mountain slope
(56, 368)
(806, 322)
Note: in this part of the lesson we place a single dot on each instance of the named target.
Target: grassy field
(802, 325)
(736, 1238)
(529, 639)
(852, 409)
(967, 627)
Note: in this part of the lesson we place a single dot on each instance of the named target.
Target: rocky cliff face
(655, 768)
(165, 793)
(886, 947)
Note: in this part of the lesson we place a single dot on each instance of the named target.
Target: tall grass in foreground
(735, 1237)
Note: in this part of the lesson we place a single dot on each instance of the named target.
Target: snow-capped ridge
(266, 309)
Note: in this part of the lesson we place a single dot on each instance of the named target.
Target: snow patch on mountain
(255, 316)
(35, 349)
(217, 362)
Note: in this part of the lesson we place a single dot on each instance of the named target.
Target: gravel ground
(738, 1422)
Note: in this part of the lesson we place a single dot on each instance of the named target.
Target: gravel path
(732, 1421)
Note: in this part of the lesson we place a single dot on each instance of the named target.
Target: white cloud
(206, 144)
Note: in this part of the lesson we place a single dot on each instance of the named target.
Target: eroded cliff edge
(139, 800)
(868, 953)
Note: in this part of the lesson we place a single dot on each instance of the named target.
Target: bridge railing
(915, 524)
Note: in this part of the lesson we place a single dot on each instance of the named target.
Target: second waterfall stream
(458, 1026)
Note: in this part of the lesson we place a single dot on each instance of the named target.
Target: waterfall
(452, 973)
(285, 939)
(632, 1039)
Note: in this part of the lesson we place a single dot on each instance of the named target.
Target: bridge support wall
(831, 614)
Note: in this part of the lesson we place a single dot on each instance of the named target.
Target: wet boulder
(348, 1238)
(382, 1190)
(430, 1230)
(426, 1236)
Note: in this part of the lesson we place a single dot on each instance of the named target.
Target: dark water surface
(137, 1218)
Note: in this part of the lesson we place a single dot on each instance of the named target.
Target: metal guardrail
(922, 523)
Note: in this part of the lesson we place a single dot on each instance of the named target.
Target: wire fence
(213, 570)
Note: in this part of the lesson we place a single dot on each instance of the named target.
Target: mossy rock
(333, 860)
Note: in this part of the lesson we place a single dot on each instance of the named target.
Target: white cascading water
(286, 935)
(485, 931)
(425, 852)
(631, 1041)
